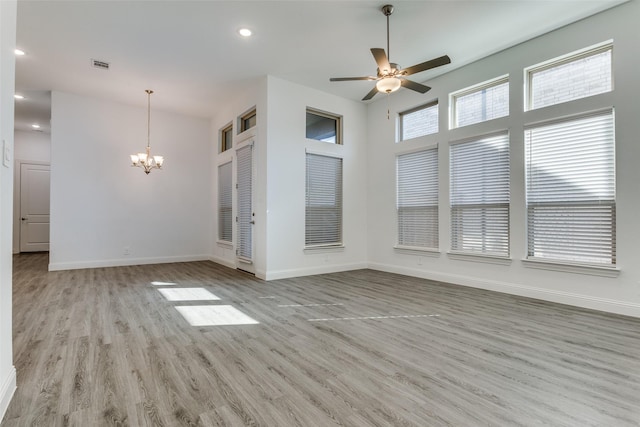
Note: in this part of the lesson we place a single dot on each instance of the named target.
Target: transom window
(485, 101)
(574, 76)
(226, 138)
(323, 126)
(248, 120)
(419, 121)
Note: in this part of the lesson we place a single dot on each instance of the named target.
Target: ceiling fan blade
(414, 86)
(443, 60)
(344, 79)
(381, 59)
(370, 94)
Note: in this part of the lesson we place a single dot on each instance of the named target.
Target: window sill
(416, 250)
(482, 258)
(224, 244)
(323, 249)
(592, 270)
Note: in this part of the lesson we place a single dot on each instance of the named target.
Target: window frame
(402, 114)
(226, 138)
(221, 225)
(562, 60)
(325, 114)
(453, 206)
(567, 203)
(244, 118)
(436, 237)
(339, 206)
(453, 97)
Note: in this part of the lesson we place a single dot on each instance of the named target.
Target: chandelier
(145, 160)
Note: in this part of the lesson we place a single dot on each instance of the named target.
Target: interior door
(245, 218)
(34, 207)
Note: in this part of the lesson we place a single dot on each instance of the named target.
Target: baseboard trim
(125, 262)
(310, 271)
(7, 389)
(568, 298)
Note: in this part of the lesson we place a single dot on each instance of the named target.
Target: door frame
(241, 263)
(17, 199)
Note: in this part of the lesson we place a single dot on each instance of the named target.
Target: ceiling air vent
(100, 64)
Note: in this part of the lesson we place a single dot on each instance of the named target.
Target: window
(479, 103)
(324, 127)
(226, 138)
(480, 195)
(323, 215)
(418, 199)
(225, 214)
(575, 76)
(570, 177)
(419, 121)
(248, 120)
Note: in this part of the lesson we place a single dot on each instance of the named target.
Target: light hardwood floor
(105, 347)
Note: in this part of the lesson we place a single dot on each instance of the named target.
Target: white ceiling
(190, 54)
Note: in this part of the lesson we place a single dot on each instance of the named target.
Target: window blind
(571, 208)
(417, 203)
(244, 158)
(323, 213)
(225, 195)
(480, 195)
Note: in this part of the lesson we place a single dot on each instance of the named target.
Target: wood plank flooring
(103, 347)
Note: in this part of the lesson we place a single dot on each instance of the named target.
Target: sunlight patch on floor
(214, 315)
(188, 294)
(163, 283)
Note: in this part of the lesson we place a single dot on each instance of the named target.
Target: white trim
(416, 250)
(7, 388)
(567, 267)
(310, 271)
(484, 258)
(224, 244)
(328, 153)
(57, 266)
(584, 301)
(320, 249)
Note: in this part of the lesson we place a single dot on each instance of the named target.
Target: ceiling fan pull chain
(388, 112)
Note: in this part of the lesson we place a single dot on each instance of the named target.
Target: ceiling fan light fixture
(388, 84)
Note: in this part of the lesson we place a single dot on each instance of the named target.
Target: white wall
(619, 294)
(285, 179)
(7, 82)
(29, 147)
(100, 205)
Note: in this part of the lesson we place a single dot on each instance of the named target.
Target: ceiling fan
(389, 75)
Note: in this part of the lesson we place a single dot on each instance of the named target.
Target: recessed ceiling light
(16, 96)
(19, 52)
(244, 32)
(35, 126)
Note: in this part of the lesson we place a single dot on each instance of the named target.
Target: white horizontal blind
(576, 77)
(419, 122)
(571, 207)
(418, 199)
(225, 194)
(244, 157)
(323, 209)
(489, 101)
(480, 196)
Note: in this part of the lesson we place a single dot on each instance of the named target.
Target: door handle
(24, 219)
